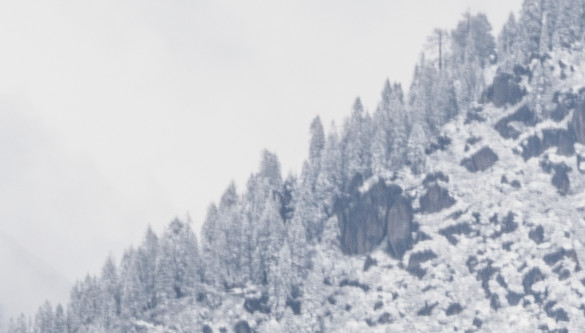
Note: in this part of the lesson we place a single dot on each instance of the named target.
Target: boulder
(365, 219)
(435, 199)
(537, 234)
(242, 326)
(505, 90)
(561, 179)
(481, 160)
(257, 304)
(523, 115)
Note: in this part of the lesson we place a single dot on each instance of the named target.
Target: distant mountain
(24, 274)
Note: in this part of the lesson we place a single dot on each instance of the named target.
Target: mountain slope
(459, 206)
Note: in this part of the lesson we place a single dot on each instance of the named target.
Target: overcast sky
(119, 114)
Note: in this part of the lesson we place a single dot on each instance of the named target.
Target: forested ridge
(267, 236)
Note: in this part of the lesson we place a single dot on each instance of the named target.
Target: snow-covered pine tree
(569, 25)
(109, 294)
(177, 265)
(60, 323)
(133, 295)
(508, 43)
(330, 180)
(398, 128)
(280, 280)
(270, 237)
(382, 135)
(356, 157)
(44, 319)
(316, 146)
(229, 245)
(416, 152)
(473, 40)
(529, 29)
(209, 240)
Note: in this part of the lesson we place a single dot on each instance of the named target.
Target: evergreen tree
(316, 147)
(270, 237)
(44, 319)
(530, 28)
(508, 43)
(473, 40)
(133, 293)
(210, 235)
(109, 294)
(330, 180)
(20, 325)
(279, 281)
(382, 138)
(356, 158)
(416, 153)
(444, 100)
(60, 323)
(177, 265)
(147, 257)
(569, 25)
(229, 243)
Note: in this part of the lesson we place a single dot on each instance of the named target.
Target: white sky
(119, 114)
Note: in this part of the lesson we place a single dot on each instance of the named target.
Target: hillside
(456, 206)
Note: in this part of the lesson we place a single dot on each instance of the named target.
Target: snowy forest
(268, 235)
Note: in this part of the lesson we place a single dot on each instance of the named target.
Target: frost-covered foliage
(490, 134)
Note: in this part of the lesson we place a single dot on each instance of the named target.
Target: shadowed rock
(242, 327)
(562, 139)
(453, 309)
(365, 219)
(416, 259)
(257, 304)
(505, 90)
(481, 160)
(435, 199)
(523, 115)
(537, 234)
(561, 179)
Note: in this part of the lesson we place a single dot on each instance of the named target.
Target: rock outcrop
(505, 90)
(523, 115)
(481, 160)
(560, 179)
(435, 199)
(365, 219)
(562, 139)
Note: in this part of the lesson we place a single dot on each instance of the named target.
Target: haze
(116, 115)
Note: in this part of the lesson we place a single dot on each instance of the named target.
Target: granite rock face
(365, 219)
(481, 160)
